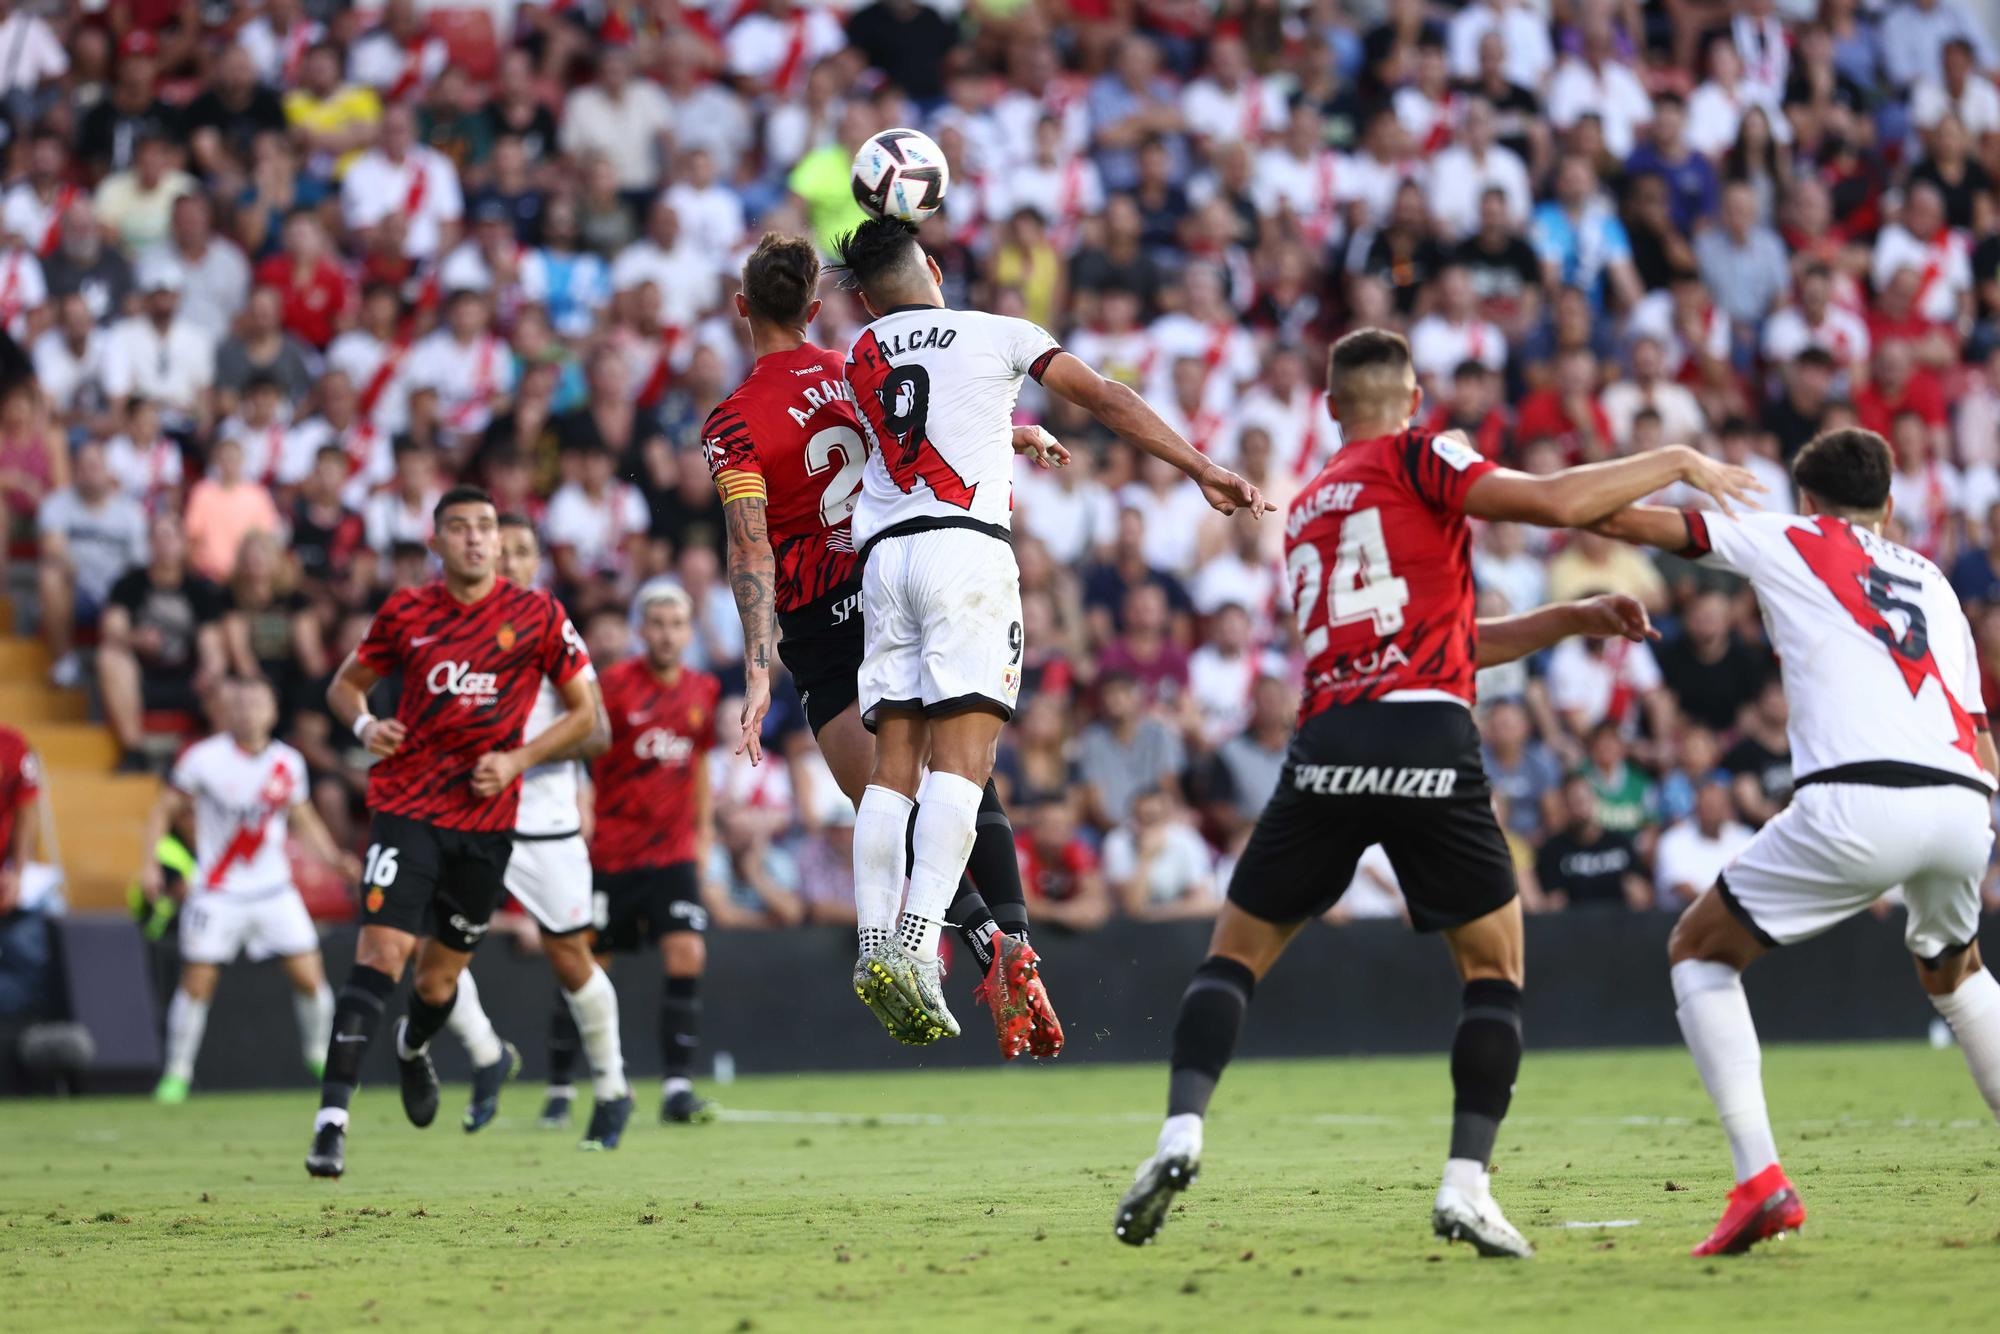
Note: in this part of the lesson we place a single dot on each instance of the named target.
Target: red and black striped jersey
(470, 674)
(660, 736)
(789, 434)
(1380, 560)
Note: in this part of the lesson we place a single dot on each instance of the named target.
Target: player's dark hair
(460, 495)
(1847, 469)
(879, 249)
(521, 521)
(780, 278)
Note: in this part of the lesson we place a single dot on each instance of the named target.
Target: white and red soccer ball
(901, 174)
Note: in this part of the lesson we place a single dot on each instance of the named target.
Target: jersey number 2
(1362, 587)
(836, 503)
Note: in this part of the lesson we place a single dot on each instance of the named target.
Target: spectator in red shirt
(1900, 385)
(20, 787)
(1059, 871)
(315, 289)
(1567, 411)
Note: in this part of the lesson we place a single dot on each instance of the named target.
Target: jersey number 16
(1362, 587)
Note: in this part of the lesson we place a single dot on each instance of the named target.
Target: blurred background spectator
(287, 268)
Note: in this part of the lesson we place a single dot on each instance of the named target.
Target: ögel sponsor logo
(662, 746)
(458, 678)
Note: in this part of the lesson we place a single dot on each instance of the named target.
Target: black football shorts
(1408, 776)
(822, 649)
(418, 874)
(637, 907)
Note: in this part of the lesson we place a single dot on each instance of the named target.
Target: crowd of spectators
(286, 269)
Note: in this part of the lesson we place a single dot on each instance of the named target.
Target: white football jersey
(936, 391)
(1878, 659)
(242, 804)
(548, 791)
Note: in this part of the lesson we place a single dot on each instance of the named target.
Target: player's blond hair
(664, 594)
(1369, 375)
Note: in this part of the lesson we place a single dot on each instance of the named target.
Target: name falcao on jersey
(911, 340)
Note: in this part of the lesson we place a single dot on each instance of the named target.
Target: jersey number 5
(1362, 587)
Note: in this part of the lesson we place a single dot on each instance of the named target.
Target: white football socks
(947, 819)
(469, 1024)
(1973, 1011)
(187, 1020)
(1180, 1135)
(1715, 1020)
(881, 823)
(594, 1006)
(314, 1011)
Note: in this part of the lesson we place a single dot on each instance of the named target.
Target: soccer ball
(901, 174)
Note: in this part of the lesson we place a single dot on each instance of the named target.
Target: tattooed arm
(753, 573)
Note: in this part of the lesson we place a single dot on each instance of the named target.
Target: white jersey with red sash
(241, 804)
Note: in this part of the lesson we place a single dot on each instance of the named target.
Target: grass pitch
(943, 1201)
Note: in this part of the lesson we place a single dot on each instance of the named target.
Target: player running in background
(473, 650)
(787, 453)
(940, 592)
(1387, 752)
(1895, 785)
(549, 875)
(655, 821)
(245, 792)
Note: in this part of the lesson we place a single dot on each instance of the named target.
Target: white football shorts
(550, 877)
(941, 624)
(1840, 846)
(216, 927)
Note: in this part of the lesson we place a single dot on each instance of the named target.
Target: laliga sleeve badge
(1457, 455)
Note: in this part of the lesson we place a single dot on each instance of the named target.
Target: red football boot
(1045, 1036)
(1005, 992)
(1765, 1206)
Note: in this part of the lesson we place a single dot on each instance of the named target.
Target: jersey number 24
(1361, 587)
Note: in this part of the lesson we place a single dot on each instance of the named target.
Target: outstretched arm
(753, 577)
(1122, 410)
(1581, 497)
(1648, 526)
(1503, 639)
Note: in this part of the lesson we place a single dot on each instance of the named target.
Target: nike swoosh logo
(350, 1037)
(634, 719)
(427, 639)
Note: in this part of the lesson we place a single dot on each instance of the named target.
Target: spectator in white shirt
(1158, 866)
(1680, 414)
(215, 276)
(403, 178)
(1815, 321)
(1694, 852)
(1222, 670)
(471, 369)
(32, 54)
(1530, 54)
(593, 521)
(1715, 110)
(402, 513)
(776, 44)
(624, 120)
(1595, 82)
(666, 258)
(90, 535)
(1471, 166)
(69, 359)
(1453, 334)
(400, 57)
(158, 355)
(1920, 242)
(1962, 92)
(710, 213)
(1230, 103)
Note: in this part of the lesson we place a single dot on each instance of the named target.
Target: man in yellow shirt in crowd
(338, 120)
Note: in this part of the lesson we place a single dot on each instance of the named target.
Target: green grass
(942, 1201)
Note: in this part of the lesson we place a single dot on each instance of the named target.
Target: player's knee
(685, 953)
(198, 981)
(384, 951)
(1945, 972)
